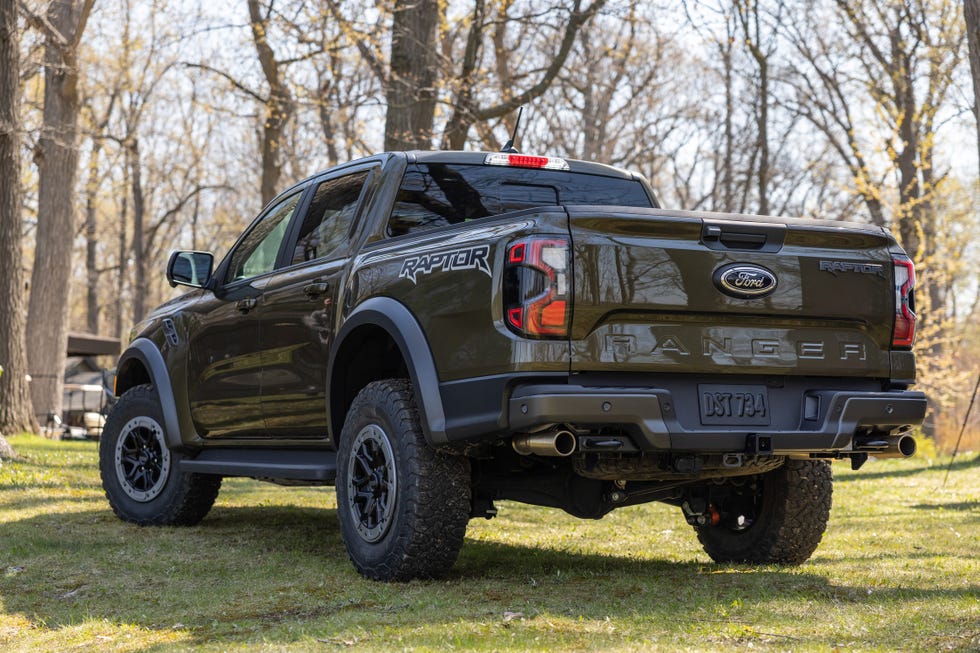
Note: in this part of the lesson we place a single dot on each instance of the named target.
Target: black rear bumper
(822, 421)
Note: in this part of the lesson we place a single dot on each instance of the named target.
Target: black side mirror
(190, 269)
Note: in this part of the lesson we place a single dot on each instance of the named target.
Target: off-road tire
(788, 512)
(134, 438)
(402, 506)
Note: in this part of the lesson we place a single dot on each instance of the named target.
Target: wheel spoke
(363, 459)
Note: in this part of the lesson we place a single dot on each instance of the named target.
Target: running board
(291, 464)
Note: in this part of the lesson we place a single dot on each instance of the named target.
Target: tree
(57, 161)
(15, 402)
(875, 84)
(971, 14)
(413, 73)
(466, 110)
(92, 187)
(753, 31)
(279, 106)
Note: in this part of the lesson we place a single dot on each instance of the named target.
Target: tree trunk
(92, 242)
(459, 123)
(727, 177)
(278, 104)
(763, 127)
(751, 28)
(411, 91)
(15, 401)
(326, 122)
(57, 160)
(139, 219)
(123, 255)
(908, 163)
(971, 12)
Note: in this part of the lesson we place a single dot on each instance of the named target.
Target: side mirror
(190, 269)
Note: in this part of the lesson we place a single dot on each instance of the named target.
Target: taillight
(537, 292)
(525, 161)
(903, 332)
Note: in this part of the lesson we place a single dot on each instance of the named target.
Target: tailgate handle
(746, 237)
(736, 240)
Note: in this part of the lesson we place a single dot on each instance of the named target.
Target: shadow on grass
(959, 464)
(959, 506)
(265, 571)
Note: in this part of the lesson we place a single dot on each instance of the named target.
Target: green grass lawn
(899, 569)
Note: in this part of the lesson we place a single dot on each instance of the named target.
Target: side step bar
(294, 464)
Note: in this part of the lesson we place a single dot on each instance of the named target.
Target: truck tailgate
(672, 291)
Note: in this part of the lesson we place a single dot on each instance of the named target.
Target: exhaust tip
(565, 443)
(553, 443)
(906, 446)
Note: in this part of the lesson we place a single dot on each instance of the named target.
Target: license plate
(734, 405)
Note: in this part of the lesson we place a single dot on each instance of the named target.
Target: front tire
(402, 506)
(141, 476)
(778, 517)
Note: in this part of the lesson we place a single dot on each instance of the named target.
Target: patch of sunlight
(92, 634)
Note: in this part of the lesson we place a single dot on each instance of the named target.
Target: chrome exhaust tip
(560, 442)
(892, 446)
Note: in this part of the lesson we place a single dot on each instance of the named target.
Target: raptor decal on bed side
(469, 258)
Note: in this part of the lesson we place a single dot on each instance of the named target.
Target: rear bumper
(825, 420)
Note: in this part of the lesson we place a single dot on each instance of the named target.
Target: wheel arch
(142, 363)
(363, 352)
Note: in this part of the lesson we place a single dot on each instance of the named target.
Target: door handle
(247, 304)
(316, 289)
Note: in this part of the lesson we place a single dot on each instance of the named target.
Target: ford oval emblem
(745, 281)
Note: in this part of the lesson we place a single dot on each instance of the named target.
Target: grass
(898, 570)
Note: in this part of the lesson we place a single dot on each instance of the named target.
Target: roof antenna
(509, 146)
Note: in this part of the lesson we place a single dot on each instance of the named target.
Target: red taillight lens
(903, 333)
(537, 291)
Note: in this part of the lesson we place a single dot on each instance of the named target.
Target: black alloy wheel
(372, 483)
(142, 459)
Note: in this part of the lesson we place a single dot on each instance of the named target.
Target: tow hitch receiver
(759, 445)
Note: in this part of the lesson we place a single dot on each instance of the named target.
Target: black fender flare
(148, 355)
(399, 322)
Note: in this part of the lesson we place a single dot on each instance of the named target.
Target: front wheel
(402, 506)
(141, 475)
(778, 517)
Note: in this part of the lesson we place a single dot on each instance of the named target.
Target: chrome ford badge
(745, 280)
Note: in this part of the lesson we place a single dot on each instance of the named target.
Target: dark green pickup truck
(434, 331)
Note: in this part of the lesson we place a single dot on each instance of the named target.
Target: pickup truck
(431, 332)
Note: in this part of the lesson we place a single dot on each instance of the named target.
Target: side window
(257, 253)
(329, 219)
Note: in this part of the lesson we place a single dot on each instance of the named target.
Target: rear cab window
(441, 194)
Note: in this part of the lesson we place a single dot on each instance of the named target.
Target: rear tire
(778, 517)
(402, 506)
(141, 476)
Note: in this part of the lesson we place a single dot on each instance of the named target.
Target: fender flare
(399, 322)
(146, 353)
